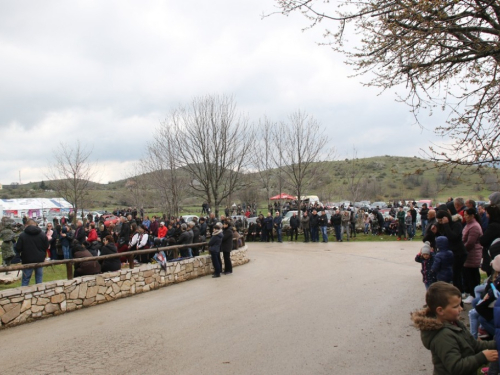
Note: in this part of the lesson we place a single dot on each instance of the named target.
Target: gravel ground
(336, 308)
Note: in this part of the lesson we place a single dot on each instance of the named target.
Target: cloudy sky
(107, 72)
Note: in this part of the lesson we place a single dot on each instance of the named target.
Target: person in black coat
(109, 247)
(214, 246)
(294, 226)
(80, 232)
(491, 233)
(452, 230)
(226, 247)
(32, 244)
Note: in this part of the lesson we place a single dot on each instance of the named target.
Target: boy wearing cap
(426, 259)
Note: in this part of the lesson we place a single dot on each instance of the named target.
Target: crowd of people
(460, 239)
(91, 237)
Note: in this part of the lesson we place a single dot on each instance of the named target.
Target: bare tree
(71, 173)
(302, 153)
(213, 142)
(162, 171)
(265, 156)
(136, 185)
(446, 53)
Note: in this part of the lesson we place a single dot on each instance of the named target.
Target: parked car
(188, 218)
(110, 219)
(378, 204)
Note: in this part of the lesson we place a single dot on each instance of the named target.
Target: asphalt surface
(337, 308)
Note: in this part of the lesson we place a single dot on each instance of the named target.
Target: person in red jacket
(92, 236)
(162, 234)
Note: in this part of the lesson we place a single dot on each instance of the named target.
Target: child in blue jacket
(426, 259)
(443, 261)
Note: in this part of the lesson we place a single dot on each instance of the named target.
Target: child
(454, 350)
(443, 261)
(426, 258)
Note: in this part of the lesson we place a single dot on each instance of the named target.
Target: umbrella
(282, 196)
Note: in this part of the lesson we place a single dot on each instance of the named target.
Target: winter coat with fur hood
(454, 350)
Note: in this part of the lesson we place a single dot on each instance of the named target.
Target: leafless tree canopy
(301, 145)
(71, 173)
(162, 171)
(212, 144)
(446, 52)
(265, 156)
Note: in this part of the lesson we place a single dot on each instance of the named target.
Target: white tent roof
(34, 203)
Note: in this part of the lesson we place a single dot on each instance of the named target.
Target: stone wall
(25, 304)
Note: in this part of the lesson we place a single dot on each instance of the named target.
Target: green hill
(383, 178)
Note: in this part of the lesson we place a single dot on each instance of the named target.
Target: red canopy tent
(282, 196)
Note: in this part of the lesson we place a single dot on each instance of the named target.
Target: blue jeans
(409, 230)
(338, 233)
(489, 326)
(27, 276)
(314, 234)
(367, 228)
(324, 234)
(474, 322)
(278, 231)
(66, 252)
(424, 224)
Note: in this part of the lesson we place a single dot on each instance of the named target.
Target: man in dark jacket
(314, 224)
(268, 225)
(277, 225)
(323, 223)
(336, 221)
(32, 245)
(185, 238)
(80, 232)
(423, 217)
(294, 226)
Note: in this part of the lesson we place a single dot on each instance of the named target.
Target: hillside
(377, 178)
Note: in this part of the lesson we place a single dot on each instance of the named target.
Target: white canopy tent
(34, 207)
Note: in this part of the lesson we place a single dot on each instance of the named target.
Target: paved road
(294, 309)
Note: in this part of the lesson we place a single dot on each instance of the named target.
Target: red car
(110, 219)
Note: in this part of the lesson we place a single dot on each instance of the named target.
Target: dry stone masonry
(25, 304)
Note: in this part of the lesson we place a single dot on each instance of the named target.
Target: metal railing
(130, 255)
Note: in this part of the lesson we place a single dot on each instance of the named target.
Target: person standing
(214, 246)
(304, 222)
(7, 236)
(470, 237)
(423, 217)
(323, 223)
(226, 247)
(80, 232)
(336, 221)
(314, 224)
(32, 245)
(277, 222)
(294, 226)
(413, 213)
(268, 224)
